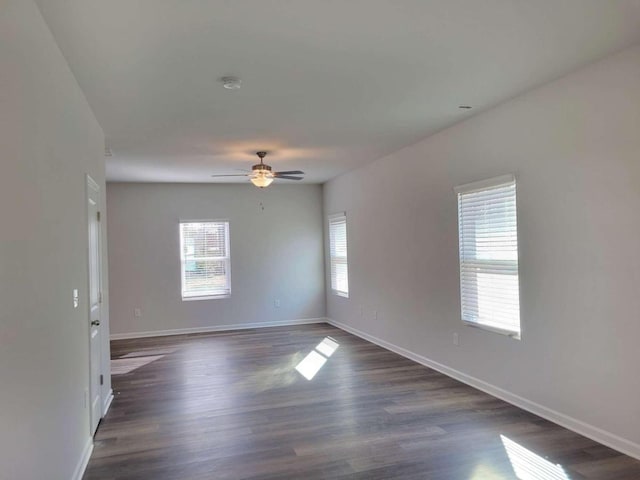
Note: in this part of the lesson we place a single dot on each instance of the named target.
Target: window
(204, 259)
(338, 253)
(488, 241)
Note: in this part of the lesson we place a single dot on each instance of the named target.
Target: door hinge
(101, 379)
(98, 216)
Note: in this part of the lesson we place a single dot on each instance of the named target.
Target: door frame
(92, 186)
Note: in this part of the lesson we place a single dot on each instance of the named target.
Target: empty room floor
(233, 405)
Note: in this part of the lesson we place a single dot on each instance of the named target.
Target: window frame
(474, 187)
(335, 260)
(227, 259)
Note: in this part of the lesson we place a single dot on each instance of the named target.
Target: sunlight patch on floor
(530, 466)
(314, 361)
(148, 352)
(327, 346)
(311, 364)
(122, 366)
(486, 472)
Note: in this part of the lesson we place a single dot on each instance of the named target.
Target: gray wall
(276, 253)
(574, 146)
(49, 140)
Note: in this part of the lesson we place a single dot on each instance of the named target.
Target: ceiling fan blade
(287, 177)
(290, 172)
(233, 175)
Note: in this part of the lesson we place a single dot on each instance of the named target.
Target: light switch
(76, 300)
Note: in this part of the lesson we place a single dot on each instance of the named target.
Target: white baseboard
(215, 328)
(84, 460)
(594, 433)
(107, 403)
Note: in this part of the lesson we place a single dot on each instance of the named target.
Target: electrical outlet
(456, 339)
(375, 314)
(76, 298)
(276, 303)
(137, 312)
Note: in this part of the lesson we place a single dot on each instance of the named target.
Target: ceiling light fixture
(231, 83)
(261, 174)
(261, 178)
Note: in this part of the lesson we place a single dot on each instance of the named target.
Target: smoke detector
(231, 83)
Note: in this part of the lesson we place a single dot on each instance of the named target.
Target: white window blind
(488, 240)
(338, 254)
(204, 259)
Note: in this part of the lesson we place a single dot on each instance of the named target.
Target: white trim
(482, 184)
(205, 297)
(107, 403)
(502, 331)
(216, 328)
(337, 215)
(594, 433)
(92, 183)
(207, 220)
(78, 472)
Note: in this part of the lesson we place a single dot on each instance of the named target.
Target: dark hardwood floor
(232, 406)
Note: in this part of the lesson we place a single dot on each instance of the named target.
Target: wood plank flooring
(232, 406)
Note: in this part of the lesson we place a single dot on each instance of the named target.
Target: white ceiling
(327, 85)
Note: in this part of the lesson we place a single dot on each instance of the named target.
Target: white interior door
(95, 300)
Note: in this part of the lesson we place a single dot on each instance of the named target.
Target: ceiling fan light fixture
(262, 178)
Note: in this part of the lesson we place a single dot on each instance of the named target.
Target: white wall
(574, 146)
(49, 140)
(276, 253)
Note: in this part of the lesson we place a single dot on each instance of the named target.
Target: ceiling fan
(261, 174)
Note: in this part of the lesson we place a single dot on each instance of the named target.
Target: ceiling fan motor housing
(261, 167)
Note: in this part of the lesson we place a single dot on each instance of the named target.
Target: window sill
(341, 294)
(489, 328)
(205, 297)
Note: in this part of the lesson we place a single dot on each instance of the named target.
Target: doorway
(95, 302)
